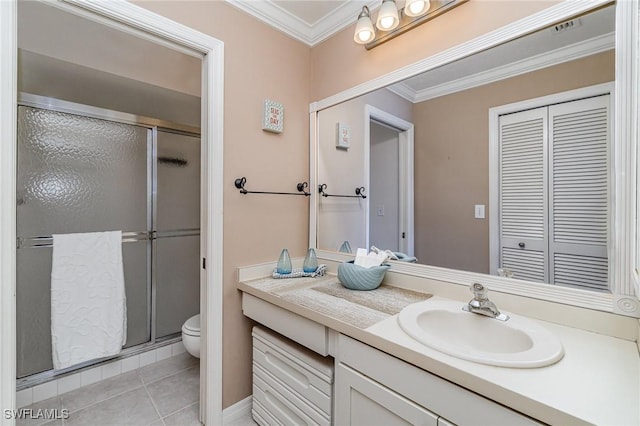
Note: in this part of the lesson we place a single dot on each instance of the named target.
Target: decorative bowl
(355, 277)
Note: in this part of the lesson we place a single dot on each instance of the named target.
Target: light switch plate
(479, 211)
(343, 136)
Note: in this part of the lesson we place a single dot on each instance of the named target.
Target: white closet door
(523, 195)
(579, 208)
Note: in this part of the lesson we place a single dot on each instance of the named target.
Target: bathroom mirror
(442, 215)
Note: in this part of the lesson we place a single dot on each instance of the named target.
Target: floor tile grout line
(104, 399)
(180, 409)
(169, 375)
(155, 407)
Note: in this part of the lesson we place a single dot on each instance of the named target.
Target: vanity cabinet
(373, 387)
(293, 382)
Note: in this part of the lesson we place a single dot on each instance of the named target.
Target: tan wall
(451, 159)
(338, 63)
(260, 63)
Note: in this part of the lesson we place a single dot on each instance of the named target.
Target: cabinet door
(361, 401)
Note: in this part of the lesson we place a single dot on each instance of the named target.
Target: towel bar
(240, 182)
(359, 192)
(127, 237)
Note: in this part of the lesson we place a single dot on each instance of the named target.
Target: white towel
(88, 304)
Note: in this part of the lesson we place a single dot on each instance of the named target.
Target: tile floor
(165, 393)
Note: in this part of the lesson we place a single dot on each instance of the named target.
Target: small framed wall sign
(343, 136)
(273, 120)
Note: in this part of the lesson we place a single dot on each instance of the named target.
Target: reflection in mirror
(428, 178)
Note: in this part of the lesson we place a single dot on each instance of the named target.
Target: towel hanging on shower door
(88, 303)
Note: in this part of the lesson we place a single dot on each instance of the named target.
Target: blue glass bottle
(310, 261)
(345, 247)
(284, 263)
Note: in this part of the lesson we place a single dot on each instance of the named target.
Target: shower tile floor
(165, 393)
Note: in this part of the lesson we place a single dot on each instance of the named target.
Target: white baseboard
(236, 411)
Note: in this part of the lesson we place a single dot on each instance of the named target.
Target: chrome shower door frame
(149, 235)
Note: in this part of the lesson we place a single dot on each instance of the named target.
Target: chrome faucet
(480, 304)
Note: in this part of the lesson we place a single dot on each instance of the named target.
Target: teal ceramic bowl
(356, 277)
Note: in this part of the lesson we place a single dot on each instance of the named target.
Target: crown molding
(286, 22)
(544, 60)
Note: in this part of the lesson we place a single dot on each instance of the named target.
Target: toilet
(191, 335)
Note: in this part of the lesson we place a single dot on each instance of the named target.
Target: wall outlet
(479, 211)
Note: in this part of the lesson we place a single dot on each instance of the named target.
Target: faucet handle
(479, 291)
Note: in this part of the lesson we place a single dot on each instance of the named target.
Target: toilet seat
(192, 326)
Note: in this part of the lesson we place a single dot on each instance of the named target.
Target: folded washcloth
(299, 273)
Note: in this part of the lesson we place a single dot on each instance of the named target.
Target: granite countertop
(597, 381)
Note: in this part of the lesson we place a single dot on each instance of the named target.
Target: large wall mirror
(501, 162)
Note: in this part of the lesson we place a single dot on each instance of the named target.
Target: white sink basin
(517, 343)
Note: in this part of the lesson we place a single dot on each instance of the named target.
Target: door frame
(142, 23)
(405, 169)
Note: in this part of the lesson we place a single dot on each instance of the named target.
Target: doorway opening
(139, 22)
(389, 171)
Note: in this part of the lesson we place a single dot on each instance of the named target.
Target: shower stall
(87, 169)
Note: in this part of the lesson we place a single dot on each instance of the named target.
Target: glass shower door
(78, 174)
(177, 242)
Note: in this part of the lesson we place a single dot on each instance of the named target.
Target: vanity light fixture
(391, 21)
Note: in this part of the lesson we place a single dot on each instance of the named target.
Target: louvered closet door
(579, 158)
(523, 197)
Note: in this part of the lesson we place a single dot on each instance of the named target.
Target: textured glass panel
(178, 190)
(79, 174)
(33, 310)
(134, 257)
(178, 282)
(33, 294)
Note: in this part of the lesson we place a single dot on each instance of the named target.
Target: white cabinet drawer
(282, 405)
(305, 373)
(299, 329)
(321, 366)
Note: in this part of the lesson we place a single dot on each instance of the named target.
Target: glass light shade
(416, 7)
(364, 29)
(388, 16)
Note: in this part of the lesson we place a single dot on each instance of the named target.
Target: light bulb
(364, 35)
(416, 7)
(388, 16)
(386, 22)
